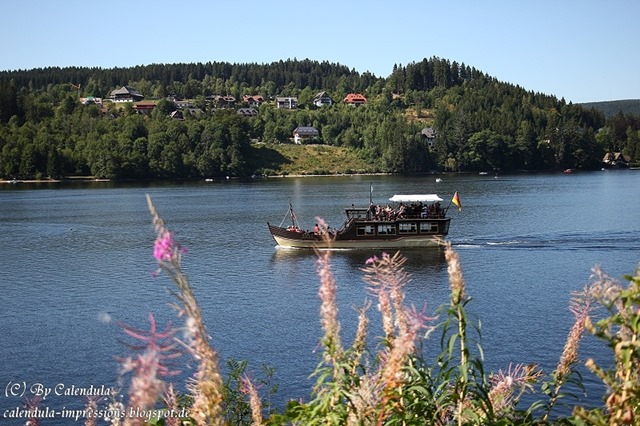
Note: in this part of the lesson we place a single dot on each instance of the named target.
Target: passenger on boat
(400, 212)
(387, 212)
(316, 230)
(371, 213)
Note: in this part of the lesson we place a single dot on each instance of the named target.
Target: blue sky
(581, 50)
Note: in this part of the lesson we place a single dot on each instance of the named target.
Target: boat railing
(428, 212)
(357, 213)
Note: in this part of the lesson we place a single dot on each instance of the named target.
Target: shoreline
(74, 179)
(88, 179)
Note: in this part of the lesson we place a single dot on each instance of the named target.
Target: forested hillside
(613, 108)
(481, 124)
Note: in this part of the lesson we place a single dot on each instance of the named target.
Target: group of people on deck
(419, 210)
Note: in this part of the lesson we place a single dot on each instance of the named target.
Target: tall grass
(395, 383)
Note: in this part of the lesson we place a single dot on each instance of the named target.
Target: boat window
(386, 230)
(407, 228)
(428, 227)
(366, 230)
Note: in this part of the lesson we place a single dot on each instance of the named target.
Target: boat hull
(306, 240)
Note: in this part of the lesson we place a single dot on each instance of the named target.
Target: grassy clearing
(290, 159)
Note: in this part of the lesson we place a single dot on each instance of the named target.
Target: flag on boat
(456, 200)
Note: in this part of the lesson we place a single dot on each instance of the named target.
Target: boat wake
(561, 241)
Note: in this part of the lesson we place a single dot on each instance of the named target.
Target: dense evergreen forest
(612, 108)
(481, 124)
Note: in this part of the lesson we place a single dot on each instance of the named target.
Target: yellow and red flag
(456, 200)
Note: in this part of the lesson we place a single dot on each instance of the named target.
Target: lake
(77, 263)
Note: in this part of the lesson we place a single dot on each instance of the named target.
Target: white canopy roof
(425, 198)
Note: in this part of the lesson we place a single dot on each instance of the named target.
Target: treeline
(481, 123)
(613, 108)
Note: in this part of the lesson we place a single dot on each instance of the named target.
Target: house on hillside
(144, 107)
(301, 134)
(429, 135)
(182, 104)
(253, 100)
(221, 101)
(355, 99)
(125, 94)
(177, 115)
(322, 99)
(91, 100)
(615, 160)
(248, 112)
(286, 102)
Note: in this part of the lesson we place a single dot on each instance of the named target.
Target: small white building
(301, 134)
(429, 134)
(322, 99)
(286, 102)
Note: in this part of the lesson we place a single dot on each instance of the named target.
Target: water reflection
(417, 259)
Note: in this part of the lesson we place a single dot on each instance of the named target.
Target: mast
(293, 215)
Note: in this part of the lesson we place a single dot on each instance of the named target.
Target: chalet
(248, 112)
(177, 115)
(301, 134)
(355, 99)
(195, 112)
(615, 160)
(125, 94)
(144, 107)
(253, 100)
(322, 99)
(429, 135)
(286, 103)
(221, 101)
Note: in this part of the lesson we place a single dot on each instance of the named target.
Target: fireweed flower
(580, 305)
(91, 410)
(206, 386)
(170, 399)
(329, 305)
(163, 247)
(163, 343)
(504, 385)
(456, 282)
(248, 388)
(32, 404)
(146, 384)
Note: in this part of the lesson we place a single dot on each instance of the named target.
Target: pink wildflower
(372, 260)
(32, 406)
(163, 247)
(162, 343)
(248, 388)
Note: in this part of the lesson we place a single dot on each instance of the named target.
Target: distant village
(247, 108)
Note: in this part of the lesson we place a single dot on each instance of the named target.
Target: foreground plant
(621, 331)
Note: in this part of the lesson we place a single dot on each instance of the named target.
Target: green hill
(204, 121)
(611, 108)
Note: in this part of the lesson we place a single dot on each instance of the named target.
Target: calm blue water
(77, 262)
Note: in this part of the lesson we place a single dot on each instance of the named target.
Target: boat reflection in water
(416, 220)
(415, 258)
